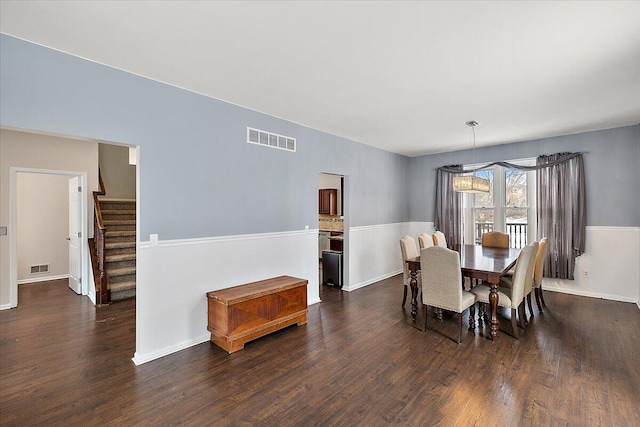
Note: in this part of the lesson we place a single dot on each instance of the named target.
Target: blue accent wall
(612, 172)
(198, 176)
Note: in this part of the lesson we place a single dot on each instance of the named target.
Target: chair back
(425, 240)
(409, 250)
(495, 239)
(439, 239)
(539, 268)
(528, 284)
(441, 278)
(523, 270)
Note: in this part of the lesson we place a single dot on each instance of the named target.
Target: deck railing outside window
(517, 233)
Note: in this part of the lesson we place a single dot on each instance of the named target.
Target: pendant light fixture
(471, 183)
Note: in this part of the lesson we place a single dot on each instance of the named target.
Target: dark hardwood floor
(358, 361)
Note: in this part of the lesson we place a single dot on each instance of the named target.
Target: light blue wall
(612, 170)
(198, 176)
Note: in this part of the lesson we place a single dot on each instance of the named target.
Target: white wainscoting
(174, 276)
(374, 251)
(611, 258)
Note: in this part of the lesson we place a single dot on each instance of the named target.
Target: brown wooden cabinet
(328, 201)
(243, 313)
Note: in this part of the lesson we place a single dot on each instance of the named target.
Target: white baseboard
(43, 279)
(313, 301)
(5, 307)
(578, 292)
(139, 359)
(372, 281)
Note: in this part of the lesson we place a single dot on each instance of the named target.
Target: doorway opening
(48, 220)
(332, 239)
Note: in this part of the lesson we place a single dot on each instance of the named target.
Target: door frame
(13, 242)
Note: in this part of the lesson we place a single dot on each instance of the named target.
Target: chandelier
(471, 183)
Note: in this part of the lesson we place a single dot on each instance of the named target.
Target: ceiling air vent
(268, 139)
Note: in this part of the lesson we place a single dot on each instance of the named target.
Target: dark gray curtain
(561, 212)
(448, 218)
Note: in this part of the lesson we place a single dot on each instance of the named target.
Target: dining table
(477, 262)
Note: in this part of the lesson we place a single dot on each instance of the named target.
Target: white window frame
(499, 208)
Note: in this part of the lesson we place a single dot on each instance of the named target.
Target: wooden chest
(246, 312)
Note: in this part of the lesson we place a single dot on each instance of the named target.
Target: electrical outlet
(585, 274)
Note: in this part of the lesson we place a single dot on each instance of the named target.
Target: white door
(75, 236)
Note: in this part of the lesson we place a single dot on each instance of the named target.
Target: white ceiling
(402, 76)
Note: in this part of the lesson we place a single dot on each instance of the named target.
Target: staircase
(119, 219)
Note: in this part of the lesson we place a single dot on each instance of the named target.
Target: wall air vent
(268, 139)
(44, 268)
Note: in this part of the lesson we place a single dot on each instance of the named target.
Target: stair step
(119, 245)
(122, 286)
(123, 290)
(118, 211)
(121, 257)
(124, 233)
(119, 222)
(121, 271)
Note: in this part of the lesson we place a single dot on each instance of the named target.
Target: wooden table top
(476, 258)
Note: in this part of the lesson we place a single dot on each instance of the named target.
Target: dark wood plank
(357, 361)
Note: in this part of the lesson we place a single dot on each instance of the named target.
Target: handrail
(102, 284)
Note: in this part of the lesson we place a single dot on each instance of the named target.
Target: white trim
(13, 243)
(5, 307)
(638, 304)
(377, 226)
(139, 359)
(372, 281)
(611, 228)
(43, 279)
(580, 293)
(219, 239)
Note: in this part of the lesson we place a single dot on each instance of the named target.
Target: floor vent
(44, 268)
(268, 139)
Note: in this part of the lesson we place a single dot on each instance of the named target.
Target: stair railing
(99, 230)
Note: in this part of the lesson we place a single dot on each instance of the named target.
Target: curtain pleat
(448, 217)
(561, 213)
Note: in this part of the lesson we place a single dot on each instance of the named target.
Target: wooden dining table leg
(414, 293)
(493, 300)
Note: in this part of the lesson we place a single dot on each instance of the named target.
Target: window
(483, 208)
(508, 207)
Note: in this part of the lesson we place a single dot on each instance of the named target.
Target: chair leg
(482, 313)
(529, 304)
(424, 311)
(542, 297)
(439, 314)
(514, 323)
(472, 317)
(538, 292)
(522, 315)
(459, 328)
(404, 298)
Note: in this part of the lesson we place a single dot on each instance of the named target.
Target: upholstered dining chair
(537, 274)
(409, 250)
(441, 277)
(495, 239)
(425, 240)
(507, 282)
(514, 297)
(439, 239)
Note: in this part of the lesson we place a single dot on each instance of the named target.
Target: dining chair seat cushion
(482, 292)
